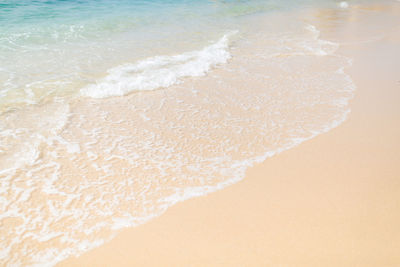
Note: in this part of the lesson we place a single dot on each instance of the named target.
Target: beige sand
(332, 201)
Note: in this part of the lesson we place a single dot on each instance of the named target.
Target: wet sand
(332, 201)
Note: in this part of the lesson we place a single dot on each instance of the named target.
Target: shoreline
(335, 205)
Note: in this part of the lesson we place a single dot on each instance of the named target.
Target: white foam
(160, 71)
(318, 46)
(343, 4)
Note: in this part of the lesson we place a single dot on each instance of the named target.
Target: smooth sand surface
(332, 201)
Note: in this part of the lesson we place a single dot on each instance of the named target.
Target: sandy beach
(331, 201)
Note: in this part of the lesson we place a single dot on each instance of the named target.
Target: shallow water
(114, 112)
(53, 48)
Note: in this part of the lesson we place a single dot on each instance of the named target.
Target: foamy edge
(160, 71)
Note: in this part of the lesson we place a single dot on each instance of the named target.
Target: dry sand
(332, 201)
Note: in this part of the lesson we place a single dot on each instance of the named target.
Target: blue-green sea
(51, 48)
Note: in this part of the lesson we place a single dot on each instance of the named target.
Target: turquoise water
(53, 48)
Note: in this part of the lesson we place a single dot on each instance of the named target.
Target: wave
(160, 71)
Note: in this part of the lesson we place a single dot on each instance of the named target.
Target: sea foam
(160, 71)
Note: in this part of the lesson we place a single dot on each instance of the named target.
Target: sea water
(52, 48)
(114, 110)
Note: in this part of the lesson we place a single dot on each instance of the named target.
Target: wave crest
(160, 71)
